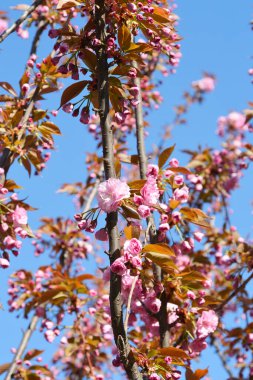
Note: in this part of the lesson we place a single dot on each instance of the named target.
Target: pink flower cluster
(131, 257)
(206, 84)
(111, 193)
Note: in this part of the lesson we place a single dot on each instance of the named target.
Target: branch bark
(24, 16)
(119, 332)
(162, 316)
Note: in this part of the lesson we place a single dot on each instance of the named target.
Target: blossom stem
(128, 310)
(24, 16)
(116, 303)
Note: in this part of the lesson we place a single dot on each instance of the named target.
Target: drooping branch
(119, 332)
(24, 16)
(142, 156)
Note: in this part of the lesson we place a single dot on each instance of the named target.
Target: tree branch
(219, 308)
(24, 16)
(221, 356)
(162, 315)
(41, 27)
(23, 344)
(30, 329)
(119, 332)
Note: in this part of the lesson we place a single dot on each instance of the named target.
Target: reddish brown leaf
(164, 156)
(72, 91)
(124, 37)
(7, 87)
(4, 367)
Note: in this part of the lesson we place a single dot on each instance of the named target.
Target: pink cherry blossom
(236, 120)
(181, 194)
(19, 216)
(152, 171)
(206, 84)
(111, 193)
(207, 323)
(144, 211)
(133, 246)
(4, 263)
(153, 304)
(119, 267)
(150, 192)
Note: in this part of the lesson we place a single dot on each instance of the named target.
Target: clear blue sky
(216, 38)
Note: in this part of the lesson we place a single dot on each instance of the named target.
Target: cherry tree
(167, 275)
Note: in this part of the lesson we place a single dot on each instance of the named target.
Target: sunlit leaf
(195, 216)
(124, 37)
(164, 156)
(72, 91)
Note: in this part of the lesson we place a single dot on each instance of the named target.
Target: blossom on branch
(111, 193)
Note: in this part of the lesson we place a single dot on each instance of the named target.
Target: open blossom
(111, 193)
(144, 211)
(19, 216)
(119, 267)
(207, 323)
(236, 120)
(206, 84)
(150, 192)
(182, 194)
(152, 171)
(133, 246)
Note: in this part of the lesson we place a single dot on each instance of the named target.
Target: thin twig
(23, 344)
(128, 310)
(24, 16)
(222, 357)
(41, 27)
(219, 308)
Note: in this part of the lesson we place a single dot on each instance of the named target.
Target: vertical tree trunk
(112, 218)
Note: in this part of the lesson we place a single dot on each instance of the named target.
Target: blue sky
(216, 38)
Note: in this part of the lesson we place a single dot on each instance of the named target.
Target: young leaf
(173, 352)
(197, 375)
(195, 216)
(160, 254)
(66, 4)
(4, 367)
(7, 87)
(164, 156)
(159, 248)
(32, 354)
(72, 91)
(124, 37)
(132, 232)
